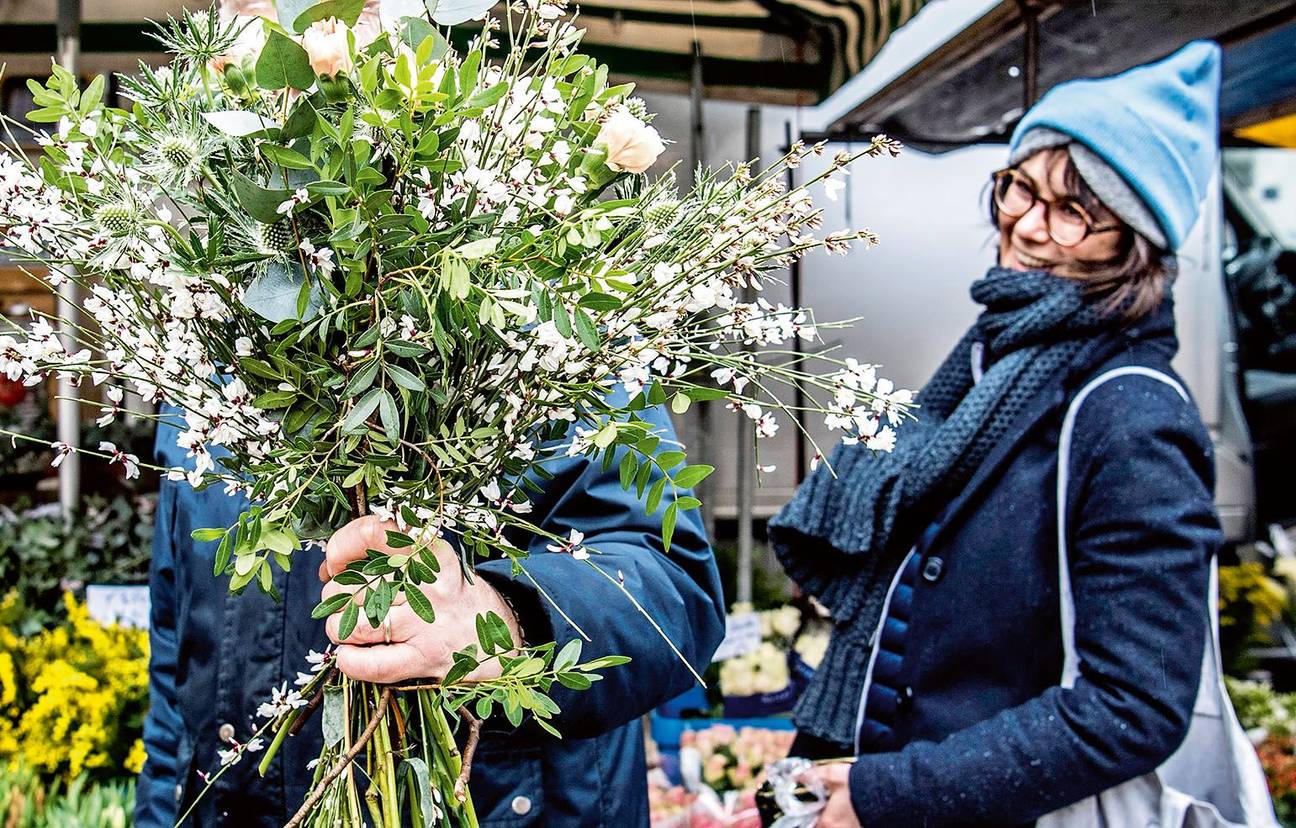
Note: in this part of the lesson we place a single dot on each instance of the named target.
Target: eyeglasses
(1067, 221)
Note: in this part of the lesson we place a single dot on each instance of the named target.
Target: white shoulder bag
(1214, 779)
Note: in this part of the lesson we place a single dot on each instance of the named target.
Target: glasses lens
(1067, 224)
(1013, 195)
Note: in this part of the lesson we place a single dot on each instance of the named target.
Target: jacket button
(226, 732)
(905, 700)
(933, 567)
(521, 805)
(179, 793)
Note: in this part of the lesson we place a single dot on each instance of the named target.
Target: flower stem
(379, 712)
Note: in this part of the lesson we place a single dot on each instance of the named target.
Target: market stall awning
(767, 51)
(965, 83)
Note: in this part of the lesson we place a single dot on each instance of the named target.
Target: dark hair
(1133, 282)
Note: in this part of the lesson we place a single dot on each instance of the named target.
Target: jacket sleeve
(680, 590)
(1143, 531)
(155, 805)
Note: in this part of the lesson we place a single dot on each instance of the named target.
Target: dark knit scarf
(843, 539)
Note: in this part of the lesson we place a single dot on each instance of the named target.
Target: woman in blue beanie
(940, 561)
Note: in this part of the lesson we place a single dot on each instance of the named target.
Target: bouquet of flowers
(384, 275)
(721, 768)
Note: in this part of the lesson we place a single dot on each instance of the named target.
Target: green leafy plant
(28, 802)
(42, 554)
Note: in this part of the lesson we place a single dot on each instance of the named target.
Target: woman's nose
(1033, 224)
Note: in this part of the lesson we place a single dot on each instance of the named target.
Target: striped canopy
(764, 51)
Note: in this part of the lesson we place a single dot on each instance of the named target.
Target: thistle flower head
(118, 218)
(662, 214)
(178, 150)
(638, 108)
(275, 238)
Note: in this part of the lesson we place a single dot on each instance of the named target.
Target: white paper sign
(124, 605)
(742, 636)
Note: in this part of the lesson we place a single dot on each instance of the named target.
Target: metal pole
(1030, 39)
(697, 126)
(68, 410)
(798, 396)
(697, 157)
(746, 438)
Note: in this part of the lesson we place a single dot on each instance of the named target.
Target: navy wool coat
(216, 656)
(984, 735)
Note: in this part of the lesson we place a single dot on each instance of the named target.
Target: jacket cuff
(523, 599)
(867, 781)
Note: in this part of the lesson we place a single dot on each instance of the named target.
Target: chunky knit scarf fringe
(843, 538)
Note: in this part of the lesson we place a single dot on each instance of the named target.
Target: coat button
(905, 700)
(521, 805)
(932, 570)
(179, 793)
(226, 732)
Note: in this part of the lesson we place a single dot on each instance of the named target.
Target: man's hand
(405, 646)
(839, 812)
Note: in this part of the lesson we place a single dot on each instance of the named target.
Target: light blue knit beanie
(1156, 126)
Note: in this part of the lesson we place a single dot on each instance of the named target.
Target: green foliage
(42, 555)
(27, 802)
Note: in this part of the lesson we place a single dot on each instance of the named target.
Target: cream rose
(326, 45)
(632, 145)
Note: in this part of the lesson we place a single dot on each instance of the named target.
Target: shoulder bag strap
(1070, 660)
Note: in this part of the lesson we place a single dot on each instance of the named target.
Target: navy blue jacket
(216, 656)
(984, 735)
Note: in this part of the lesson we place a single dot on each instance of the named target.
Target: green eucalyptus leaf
(301, 120)
(285, 157)
(261, 203)
(283, 63)
(238, 123)
(575, 681)
(274, 294)
(348, 11)
(287, 11)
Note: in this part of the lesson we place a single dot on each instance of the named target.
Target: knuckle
(374, 534)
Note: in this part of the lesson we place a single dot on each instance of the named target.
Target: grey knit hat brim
(1107, 184)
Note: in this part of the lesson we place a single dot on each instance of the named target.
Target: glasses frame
(1091, 228)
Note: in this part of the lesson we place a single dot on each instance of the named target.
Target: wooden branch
(470, 747)
(313, 704)
(356, 499)
(318, 793)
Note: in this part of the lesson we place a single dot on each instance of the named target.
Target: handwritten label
(124, 605)
(742, 636)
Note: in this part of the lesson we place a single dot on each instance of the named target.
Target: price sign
(124, 605)
(742, 636)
